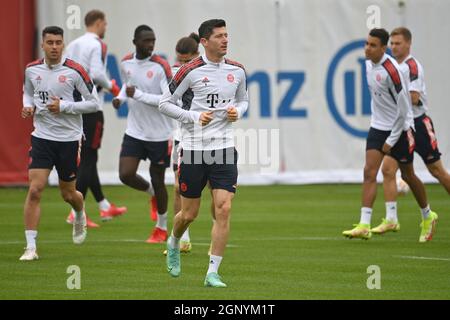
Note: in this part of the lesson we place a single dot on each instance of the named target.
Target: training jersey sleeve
(97, 68)
(169, 102)
(28, 91)
(86, 88)
(398, 89)
(242, 96)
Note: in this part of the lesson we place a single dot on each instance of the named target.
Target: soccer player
(390, 134)
(426, 142)
(214, 94)
(52, 93)
(148, 131)
(91, 52)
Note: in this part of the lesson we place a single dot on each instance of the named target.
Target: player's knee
(388, 172)
(35, 193)
(125, 177)
(68, 196)
(370, 174)
(188, 216)
(436, 171)
(223, 207)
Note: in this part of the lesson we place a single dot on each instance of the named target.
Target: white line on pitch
(422, 258)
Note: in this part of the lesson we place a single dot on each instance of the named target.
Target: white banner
(309, 109)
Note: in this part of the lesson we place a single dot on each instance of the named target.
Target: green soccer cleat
(212, 279)
(173, 261)
(428, 227)
(360, 231)
(386, 226)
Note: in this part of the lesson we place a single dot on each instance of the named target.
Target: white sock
(31, 236)
(425, 212)
(366, 215)
(185, 237)
(150, 190)
(173, 241)
(214, 263)
(78, 214)
(161, 222)
(104, 205)
(391, 211)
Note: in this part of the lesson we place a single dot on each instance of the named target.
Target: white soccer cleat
(29, 255)
(79, 229)
(402, 187)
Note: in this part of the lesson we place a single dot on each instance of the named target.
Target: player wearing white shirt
(148, 133)
(53, 90)
(426, 143)
(214, 94)
(390, 133)
(91, 52)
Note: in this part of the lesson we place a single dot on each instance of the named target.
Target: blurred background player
(425, 139)
(148, 133)
(214, 94)
(49, 97)
(91, 52)
(390, 134)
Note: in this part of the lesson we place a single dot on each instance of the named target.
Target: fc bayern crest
(230, 77)
(149, 74)
(62, 78)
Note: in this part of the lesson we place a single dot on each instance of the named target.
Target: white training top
(70, 82)
(151, 77)
(91, 52)
(177, 124)
(416, 79)
(204, 86)
(391, 103)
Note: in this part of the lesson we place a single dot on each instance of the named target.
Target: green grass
(285, 244)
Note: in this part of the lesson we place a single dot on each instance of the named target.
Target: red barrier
(17, 30)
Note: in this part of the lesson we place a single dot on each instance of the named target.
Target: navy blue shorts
(93, 129)
(157, 152)
(426, 142)
(402, 151)
(219, 167)
(64, 156)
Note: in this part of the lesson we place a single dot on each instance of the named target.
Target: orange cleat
(153, 209)
(158, 236)
(89, 222)
(112, 212)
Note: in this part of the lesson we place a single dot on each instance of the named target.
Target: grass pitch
(285, 243)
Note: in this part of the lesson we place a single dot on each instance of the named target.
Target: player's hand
(53, 107)
(130, 91)
(116, 103)
(27, 112)
(386, 148)
(206, 117)
(115, 89)
(232, 114)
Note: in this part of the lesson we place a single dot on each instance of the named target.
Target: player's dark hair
(381, 34)
(188, 45)
(92, 16)
(206, 28)
(139, 29)
(52, 30)
(402, 31)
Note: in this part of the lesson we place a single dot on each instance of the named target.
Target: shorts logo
(62, 78)
(149, 74)
(230, 77)
(183, 187)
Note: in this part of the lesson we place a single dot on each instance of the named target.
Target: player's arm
(98, 72)
(168, 104)
(91, 102)
(415, 87)
(235, 113)
(28, 102)
(150, 98)
(120, 98)
(403, 104)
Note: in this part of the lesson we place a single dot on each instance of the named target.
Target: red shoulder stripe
(128, 57)
(234, 63)
(79, 68)
(35, 62)
(413, 69)
(394, 74)
(188, 67)
(164, 64)
(104, 50)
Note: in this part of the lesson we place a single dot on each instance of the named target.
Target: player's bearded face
(53, 46)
